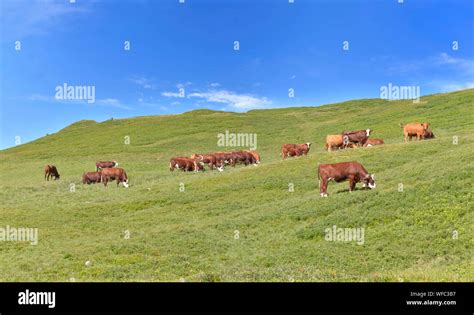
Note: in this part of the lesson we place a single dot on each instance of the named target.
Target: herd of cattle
(217, 160)
(354, 172)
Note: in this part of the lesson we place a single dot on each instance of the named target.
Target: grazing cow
(414, 130)
(91, 177)
(428, 134)
(334, 141)
(373, 141)
(354, 172)
(209, 159)
(256, 156)
(51, 171)
(294, 149)
(186, 164)
(105, 164)
(242, 157)
(114, 173)
(358, 137)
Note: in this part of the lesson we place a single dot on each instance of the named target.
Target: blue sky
(190, 46)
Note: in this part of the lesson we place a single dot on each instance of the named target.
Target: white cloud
(21, 19)
(450, 86)
(215, 84)
(170, 94)
(143, 82)
(109, 102)
(233, 100)
(465, 65)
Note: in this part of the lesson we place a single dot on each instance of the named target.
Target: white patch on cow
(115, 162)
(220, 169)
(368, 132)
(372, 176)
(369, 145)
(364, 185)
(125, 183)
(308, 144)
(330, 178)
(371, 186)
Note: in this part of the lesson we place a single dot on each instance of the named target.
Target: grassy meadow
(244, 224)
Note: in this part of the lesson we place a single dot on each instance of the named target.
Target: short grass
(192, 235)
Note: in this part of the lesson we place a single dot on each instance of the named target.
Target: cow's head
(57, 176)
(425, 125)
(368, 131)
(369, 181)
(308, 144)
(125, 183)
(115, 163)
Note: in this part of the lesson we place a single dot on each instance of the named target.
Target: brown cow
(255, 155)
(354, 172)
(373, 141)
(210, 160)
(294, 149)
(414, 130)
(334, 141)
(114, 173)
(51, 171)
(186, 164)
(91, 177)
(105, 164)
(358, 137)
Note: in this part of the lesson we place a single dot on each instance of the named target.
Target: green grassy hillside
(244, 224)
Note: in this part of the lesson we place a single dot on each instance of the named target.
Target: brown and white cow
(358, 137)
(353, 172)
(186, 164)
(114, 173)
(373, 141)
(91, 177)
(334, 141)
(294, 149)
(51, 171)
(414, 130)
(105, 164)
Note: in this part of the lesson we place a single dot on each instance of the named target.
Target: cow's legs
(323, 185)
(351, 184)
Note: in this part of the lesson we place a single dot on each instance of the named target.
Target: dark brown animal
(428, 134)
(354, 172)
(51, 171)
(373, 141)
(256, 156)
(91, 177)
(358, 137)
(414, 130)
(105, 164)
(114, 173)
(294, 149)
